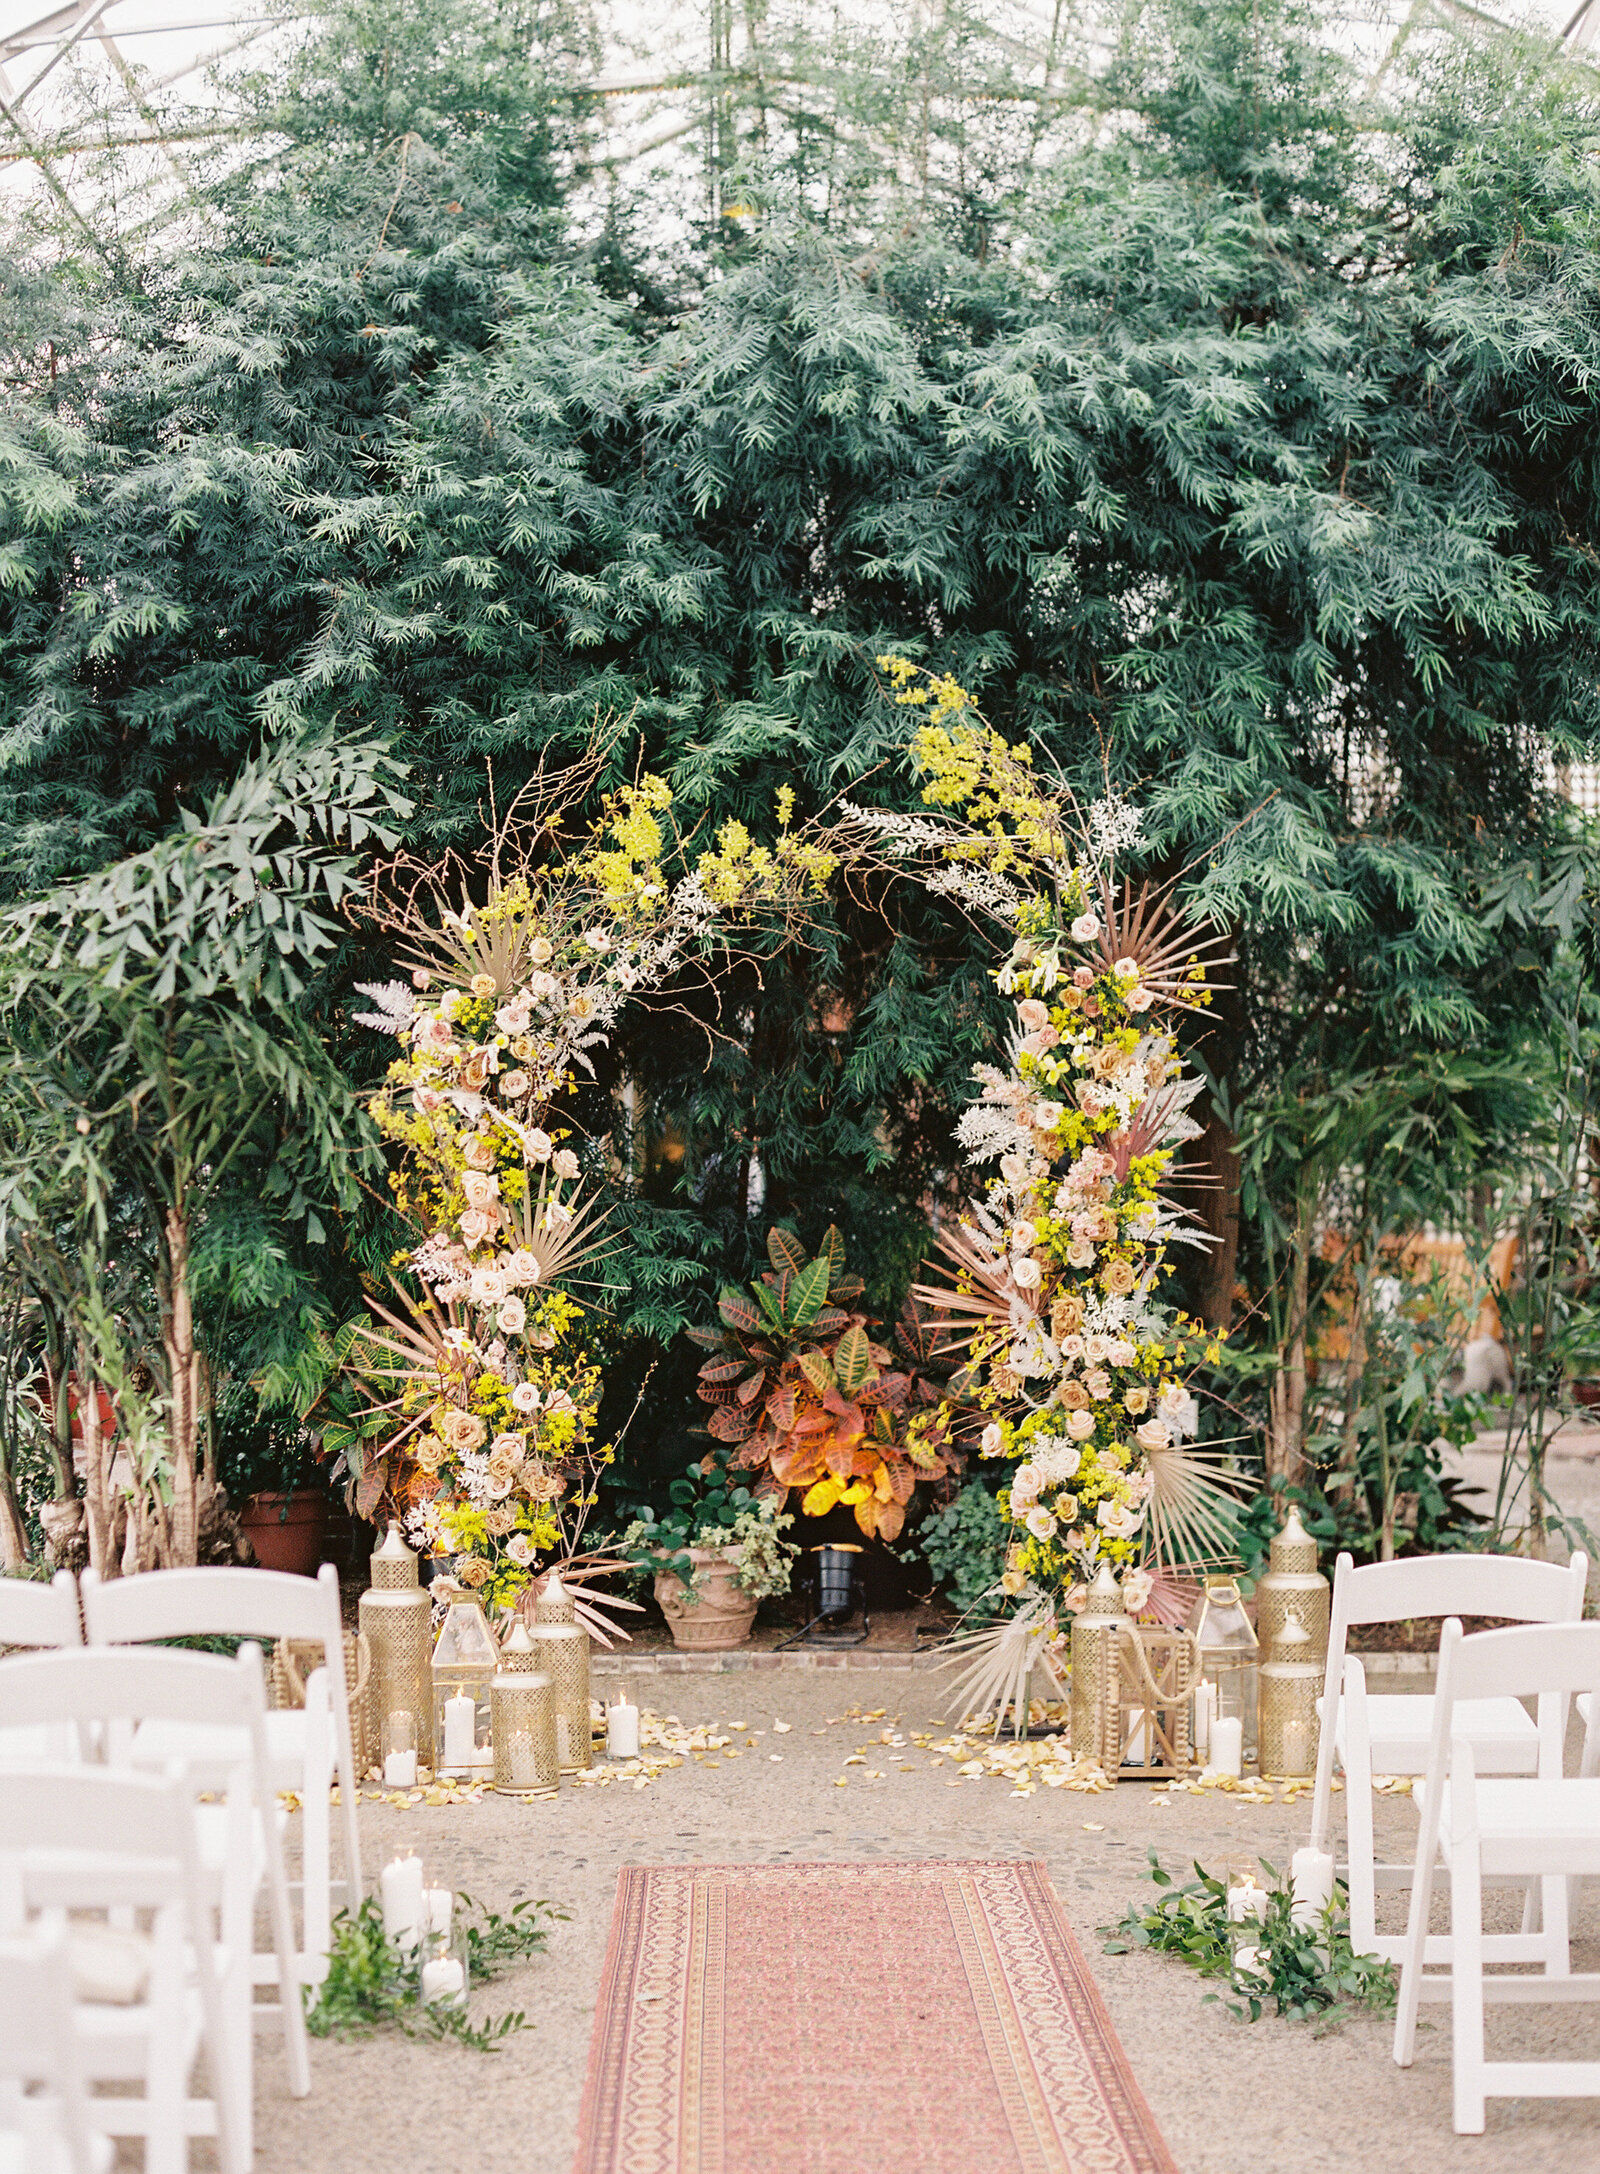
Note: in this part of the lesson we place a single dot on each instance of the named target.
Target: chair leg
(1554, 1891)
(1361, 1853)
(1466, 1988)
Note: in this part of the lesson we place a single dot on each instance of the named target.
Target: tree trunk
(1218, 1207)
(99, 1509)
(183, 1397)
(13, 1534)
(1286, 1446)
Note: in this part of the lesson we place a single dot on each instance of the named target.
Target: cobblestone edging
(739, 1662)
(1379, 1666)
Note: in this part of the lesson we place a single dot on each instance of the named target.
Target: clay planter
(715, 1619)
(291, 1541)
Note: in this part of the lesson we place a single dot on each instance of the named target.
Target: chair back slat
(1546, 1660)
(210, 1602)
(94, 1684)
(1440, 1585)
(40, 1615)
(52, 1813)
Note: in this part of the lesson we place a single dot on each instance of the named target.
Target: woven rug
(930, 2018)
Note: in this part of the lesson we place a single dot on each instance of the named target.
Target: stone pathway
(829, 1786)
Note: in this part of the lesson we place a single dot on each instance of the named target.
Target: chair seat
(209, 1752)
(50, 1743)
(1504, 1738)
(1562, 1814)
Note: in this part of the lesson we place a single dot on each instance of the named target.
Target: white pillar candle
(1311, 1880)
(1205, 1709)
(400, 1770)
(1227, 1745)
(622, 1730)
(1246, 1901)
(437, 1904)
(442, 1979)
(400, 1889)
(460, 1729)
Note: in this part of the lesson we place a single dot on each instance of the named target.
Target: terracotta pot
(287, 1539)
(1587, 1393)
(716, 1618)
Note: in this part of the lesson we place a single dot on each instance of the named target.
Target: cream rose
(512, 1318)
(1040, 1523)
(511, 1446)
(1033, 1015)
(1026, 1273)
(992, 1440)
(525, 1397)
(1080, 1425)
(540, 1145)
(1154, 1434)
(1117, 1521)
(478, 1154)
(482, 986)
(1136, 1401)
(474, 1226)
(514, 1086)
(1119, 1278)
(565, 1164)
(481, 1188)
(488, 1286)
(519, 1549)
(541, 951)
(1086, 928)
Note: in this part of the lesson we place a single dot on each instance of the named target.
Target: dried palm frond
(1161, 940)
(1192, 1515)
(984, 1299)
(577, 1574)
(1000, 1661)
(564, 1236)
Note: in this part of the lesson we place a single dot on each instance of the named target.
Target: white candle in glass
(437, 1904)
(622, 1730)
(442, 1979)
(1227, 1745)
(400, 1770)
(1311, 1881)
(1205, 1707)
(1247, 1900)
(400, 1890)
(460, 1729)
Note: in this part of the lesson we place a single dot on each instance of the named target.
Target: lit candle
(1227, 1745)
(442, 1979)
(1311, 1880)
(400, 1887)
(400, 1770)
(622, 1730)
(437, 1903)
(460, 1728)
(1205, 1708)
(1247, 1900)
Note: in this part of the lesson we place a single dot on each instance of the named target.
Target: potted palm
(715, 1556)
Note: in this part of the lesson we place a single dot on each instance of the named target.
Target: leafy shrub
(964, 1545)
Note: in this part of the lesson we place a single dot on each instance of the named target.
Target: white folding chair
(306, 1744)
(1391, 1734)
(84, 1839)
(123, 1694)
(1545, 1827)
(45, 2125)
(39, 1615)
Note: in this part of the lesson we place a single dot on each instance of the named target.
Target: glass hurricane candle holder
(398, 1749)
(444, 1977)
(465, 1658)
(1228, 1655)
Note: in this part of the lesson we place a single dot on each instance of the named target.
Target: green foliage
(1302, 1971)
(964, 1545)
(711, 1509)
(373, 1983)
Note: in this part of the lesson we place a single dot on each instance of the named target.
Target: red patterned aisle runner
(931, 2018)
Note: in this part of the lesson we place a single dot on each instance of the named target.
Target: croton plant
(808, 1398)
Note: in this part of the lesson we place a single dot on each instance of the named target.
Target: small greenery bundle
(372, 1981)
(1303, 1970)
(711, 1509)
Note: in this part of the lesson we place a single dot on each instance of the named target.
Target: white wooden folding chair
(85, 1839)
(307, 1745)
(1544, 1827)
(45, 2125)
(32, 1614)
(1391, 1734)
(125, 1692)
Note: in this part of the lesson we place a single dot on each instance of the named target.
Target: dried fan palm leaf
(577, 1575)
(1000, 1661)
(1192, 1515)
(985, 1299)
(1163, 943)
(564, 1236)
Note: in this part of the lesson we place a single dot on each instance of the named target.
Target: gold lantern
(1291, 1689)
(561, 1645)
(465, 1658)
(518, 1653)
(522, 1709)
(1228, 1654)
(1153, 1671)
(395, 1614)
(1292, 1583)
(1097, 1672)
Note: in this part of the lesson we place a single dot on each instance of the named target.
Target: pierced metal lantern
(1228, 1653)
(522, 1706)
(465, 1658)
(395, 1619)
(561, 1647)
(1097, 1672)
(1291, 1689)
(1292, 1583)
